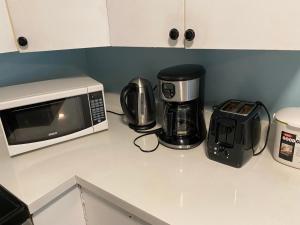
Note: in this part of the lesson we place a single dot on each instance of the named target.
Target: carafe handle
(170, 119)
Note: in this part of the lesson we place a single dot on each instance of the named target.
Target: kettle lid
(140, 82)
(290, 116)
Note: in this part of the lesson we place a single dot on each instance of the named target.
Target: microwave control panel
(97, 107)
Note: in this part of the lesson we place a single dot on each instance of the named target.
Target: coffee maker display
(181, 89)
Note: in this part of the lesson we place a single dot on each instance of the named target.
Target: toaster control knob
(226, 153)
(221, 148)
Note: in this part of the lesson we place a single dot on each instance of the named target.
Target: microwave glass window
(45, 121)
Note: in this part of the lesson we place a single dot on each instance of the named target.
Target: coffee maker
(181, 90)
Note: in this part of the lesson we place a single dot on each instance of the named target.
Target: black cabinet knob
(22, 41)
(174, 34)
(189, 35)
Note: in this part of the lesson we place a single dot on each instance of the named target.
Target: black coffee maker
(181, 89)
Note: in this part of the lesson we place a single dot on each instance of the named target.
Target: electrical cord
(144, 134)
(118, 114)
(144, 150)
(268, 131)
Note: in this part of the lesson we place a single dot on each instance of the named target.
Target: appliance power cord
(268, 131)
(144, 134)
(118, 114)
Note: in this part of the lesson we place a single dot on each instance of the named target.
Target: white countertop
(178, 187)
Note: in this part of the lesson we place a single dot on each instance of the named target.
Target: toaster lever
(226, 132)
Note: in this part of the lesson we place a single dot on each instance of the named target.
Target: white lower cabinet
(81, 207)
(66, 209)
(98, 211)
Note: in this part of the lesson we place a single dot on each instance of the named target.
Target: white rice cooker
(287, 137)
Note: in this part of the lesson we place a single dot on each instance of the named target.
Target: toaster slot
(246, 109)
(231, 106)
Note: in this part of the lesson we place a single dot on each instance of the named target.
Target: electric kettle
(138, 104)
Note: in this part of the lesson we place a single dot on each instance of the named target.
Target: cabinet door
(244, 24)
(59, 24)
(146, 23)
(65, 210)
(7, 40)
(99, 211)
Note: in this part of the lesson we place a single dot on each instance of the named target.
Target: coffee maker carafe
(181, 89)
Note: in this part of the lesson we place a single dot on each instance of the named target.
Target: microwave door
(46, 120)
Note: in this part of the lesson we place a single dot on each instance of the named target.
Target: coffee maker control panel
(168, 90)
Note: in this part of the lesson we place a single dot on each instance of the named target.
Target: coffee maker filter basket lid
(182, 73)
(290, 116)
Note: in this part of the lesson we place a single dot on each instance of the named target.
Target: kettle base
(144, 127)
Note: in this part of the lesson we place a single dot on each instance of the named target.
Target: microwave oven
(39, 114)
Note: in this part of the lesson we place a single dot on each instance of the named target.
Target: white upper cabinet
(146, 23)
(42, 25)
(7, 40)
(243, 24)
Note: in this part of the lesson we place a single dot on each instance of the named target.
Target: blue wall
(19, 68)
(269, 76)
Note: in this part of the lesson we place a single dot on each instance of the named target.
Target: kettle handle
(123, 100)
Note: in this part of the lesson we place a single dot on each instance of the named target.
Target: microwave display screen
(48, 120)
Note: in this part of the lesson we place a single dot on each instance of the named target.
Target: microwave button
(97, 107)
